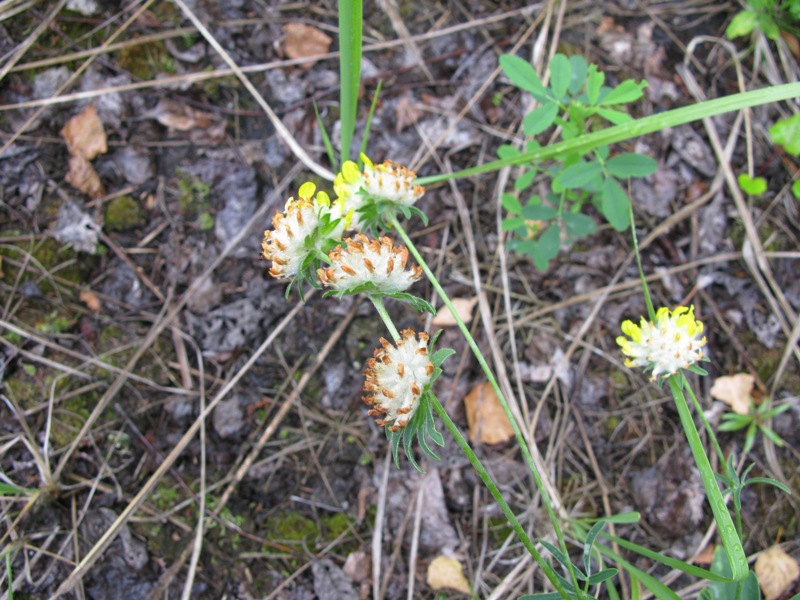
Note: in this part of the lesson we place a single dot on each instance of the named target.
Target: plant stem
(377, 302)
(645, 290)
(498, 497)
(727, 530)
(626, 131)
(496, 387)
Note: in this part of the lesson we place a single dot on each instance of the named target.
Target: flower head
(306, 227)
(396, 378)
(365, 260)
(673, 342)
(386, 183)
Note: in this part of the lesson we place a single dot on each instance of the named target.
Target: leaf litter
(193, 132)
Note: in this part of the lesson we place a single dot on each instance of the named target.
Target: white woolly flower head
(396, 377)
(305, 228)
(363, 260)
(673, 342)
(387, 183)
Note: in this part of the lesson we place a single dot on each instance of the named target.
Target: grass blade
(350, 21)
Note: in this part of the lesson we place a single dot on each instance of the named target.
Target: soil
(154, 375)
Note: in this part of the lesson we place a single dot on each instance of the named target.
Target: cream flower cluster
(673, 342)
(386, 182)
(364, 260)
(396, 377)
(286, 243)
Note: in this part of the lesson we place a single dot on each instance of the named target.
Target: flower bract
(363, 260)
(674, 341)
(307, 228)
(396, 377)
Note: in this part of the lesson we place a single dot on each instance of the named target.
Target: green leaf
(631, 164)
(602, 576)
(511, 203)
(11, 490)
(560, 75)
(786, 133)
(594, 83)
(615, 204)
(522, 74)
(614, 116)
(752, 186)
(796, 189)
(579, 70)
(539, 119)
(512, 223)
(627, 91)
(539, 212)
(441, 355)
(418, 303)
(576, 175)
(547, 247)
(578, 225)
(524, 181)
(741, 24)
(507, 152)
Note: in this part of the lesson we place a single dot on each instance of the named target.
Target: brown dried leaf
(85, 135)
(90, 299)
(735, 391)
(446, 572)
(706, 557)
(304, 41)
(463, 307)
(776, 571)
(407, 112)
(485, 416)
(175, 115)
(83, 177)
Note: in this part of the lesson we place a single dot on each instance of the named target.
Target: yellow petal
(307, 190)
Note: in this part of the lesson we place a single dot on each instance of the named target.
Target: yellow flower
(396, 377)
(303, 219)
(672, 343)
(365, 260)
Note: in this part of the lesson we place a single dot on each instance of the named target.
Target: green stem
(727, 530)
(496, 387)
(645, 290)
(377, 302)
(498, 497)
(702, 415)
(611, 135)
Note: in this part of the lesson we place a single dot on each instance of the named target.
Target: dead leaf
(706, 557)
(304, 41)
(83, 177)
(175, 115)
(463, 307)
(90, 299)
(85, 135)
(735, 391)
(406, 112)
(446, 572)
(776, 571)
(485, 416)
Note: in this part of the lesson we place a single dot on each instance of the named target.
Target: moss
(123, 213)
(291, 527)
(147, 60)
(43, 259)
(335, 525)
(70, 417)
